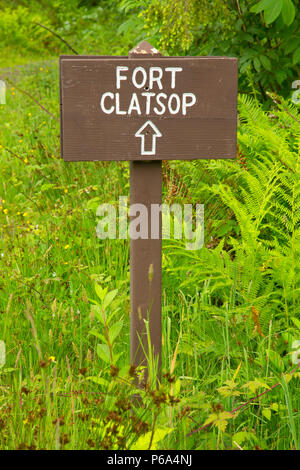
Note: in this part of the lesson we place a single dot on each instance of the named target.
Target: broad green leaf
(103, 352)
(288, 12)
(265, 62)
(143, 442)
(274, 407)
(220, 420)
(238, 24)
(100, 291)
(296, 56)
(244, 67)
(116, 357)
(114, 330)
(267, 413)
(272, 12)
(243, 436)
(109, 298)
(2, 354)
(247, 37)
(99, 381)
(280, 76)
(98, 313)
(291, 45)
(228, 390)
(98, 335)
(262, 5)
(254, 385)
(256, 64)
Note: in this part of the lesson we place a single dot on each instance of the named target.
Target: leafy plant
(264, 36)
(230, 322)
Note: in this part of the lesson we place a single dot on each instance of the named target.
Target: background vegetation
(230, 310)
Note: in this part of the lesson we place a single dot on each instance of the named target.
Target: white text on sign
(149, 102)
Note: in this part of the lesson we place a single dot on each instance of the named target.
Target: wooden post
(145, 254)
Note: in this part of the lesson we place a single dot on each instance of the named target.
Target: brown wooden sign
(119, 108)
(147, 107)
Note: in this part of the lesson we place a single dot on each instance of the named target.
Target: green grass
(12, 57)
(55, 390)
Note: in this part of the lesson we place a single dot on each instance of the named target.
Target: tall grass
(230, 310)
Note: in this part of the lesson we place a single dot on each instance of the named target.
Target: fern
(262, 197)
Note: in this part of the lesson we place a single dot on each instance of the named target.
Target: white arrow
(148, 129)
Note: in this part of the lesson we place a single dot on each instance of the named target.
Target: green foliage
(266, 39)
(87, 28)
(230, 323)
(172, 26)
(258, 269)
(289, 404)
(18, 30)
(273, 9)
(264, 36)
(172, 23)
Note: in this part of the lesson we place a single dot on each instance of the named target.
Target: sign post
(146, 108)
(145, 254)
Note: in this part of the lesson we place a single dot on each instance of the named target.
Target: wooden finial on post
(143, 50)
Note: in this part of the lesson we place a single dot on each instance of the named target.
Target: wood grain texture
(145, 255)
(207, 131)
(145, 265)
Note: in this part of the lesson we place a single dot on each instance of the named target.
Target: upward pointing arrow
(148, 134)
